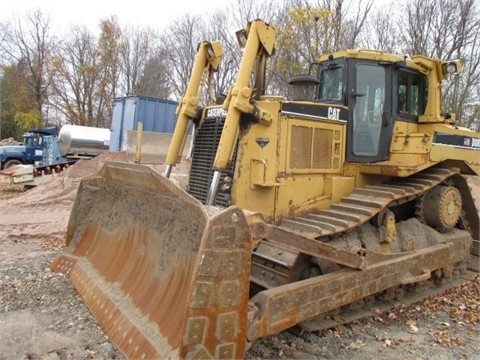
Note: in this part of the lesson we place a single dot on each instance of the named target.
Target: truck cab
(30, 152)
(33, 147)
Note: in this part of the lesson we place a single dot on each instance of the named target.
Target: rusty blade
(133, 239)
(162, 278)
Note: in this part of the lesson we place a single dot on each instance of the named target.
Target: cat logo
(333, 114)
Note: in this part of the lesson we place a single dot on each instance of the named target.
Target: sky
(152, 13)
(156, 14)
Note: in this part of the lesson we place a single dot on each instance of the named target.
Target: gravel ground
(42, 317)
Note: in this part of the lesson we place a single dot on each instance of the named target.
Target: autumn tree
(27, 46)
(307, 29)
(10, 91)
(75, 78)
(77, 75)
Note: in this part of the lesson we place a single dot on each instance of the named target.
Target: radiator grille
(322, 149)
(203, 154)
(311, 148)
(301, 151)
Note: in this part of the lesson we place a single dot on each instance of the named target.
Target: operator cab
(374, 92)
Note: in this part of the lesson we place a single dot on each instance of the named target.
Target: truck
(48, 151)
(30, 151)
(354, 192)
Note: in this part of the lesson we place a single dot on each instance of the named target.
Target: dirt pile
(42, 212)
(9, 142)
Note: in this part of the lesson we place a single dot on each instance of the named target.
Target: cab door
(370, 121)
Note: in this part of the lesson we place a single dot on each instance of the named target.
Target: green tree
(18, 106)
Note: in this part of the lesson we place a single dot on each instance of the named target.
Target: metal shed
(157, 116)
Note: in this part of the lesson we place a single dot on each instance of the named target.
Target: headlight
(452, 67)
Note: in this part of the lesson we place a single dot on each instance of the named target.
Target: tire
(12, 162)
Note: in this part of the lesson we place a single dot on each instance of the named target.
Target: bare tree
(244, 11)
(219, 28)
(182, 37)
(77, 75)
(447, 29)
(137, 48)
(381, 30)
(29, 42)
(180, 44)
(306, 30)
(438, 28)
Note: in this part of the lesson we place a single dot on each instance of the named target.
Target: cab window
(331, 84)
(368, 109)
(410, 87)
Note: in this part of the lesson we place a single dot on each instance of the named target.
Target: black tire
(12, 162)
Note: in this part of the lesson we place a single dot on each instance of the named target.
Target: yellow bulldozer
(354, 191)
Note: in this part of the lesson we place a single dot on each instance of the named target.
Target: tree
(154, 80)
(137, 50)
(8, 126)
(28, 45)
(305, 31)
(219, 28)
(77, 78)
(381, 30)
(108, 50)
(448, 29)
(180, 47)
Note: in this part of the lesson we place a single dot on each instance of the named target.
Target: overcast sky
(153, 13)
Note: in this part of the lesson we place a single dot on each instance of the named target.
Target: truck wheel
(11, 163)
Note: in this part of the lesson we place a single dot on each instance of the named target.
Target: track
(391, 298)
(324, 239)
(364, 204)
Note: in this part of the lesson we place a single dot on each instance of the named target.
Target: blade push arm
(208, 59)
(258, 39)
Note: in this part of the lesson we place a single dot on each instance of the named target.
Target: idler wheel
(442, 207)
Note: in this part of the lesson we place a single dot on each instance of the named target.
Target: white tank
(83, 140)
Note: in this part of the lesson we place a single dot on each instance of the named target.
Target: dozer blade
(164, 279)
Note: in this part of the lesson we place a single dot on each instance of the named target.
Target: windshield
(331, 84)
(32, 141)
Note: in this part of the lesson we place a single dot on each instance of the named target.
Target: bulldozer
(354, 191)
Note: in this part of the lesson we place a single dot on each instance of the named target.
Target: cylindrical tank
(83, 140)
